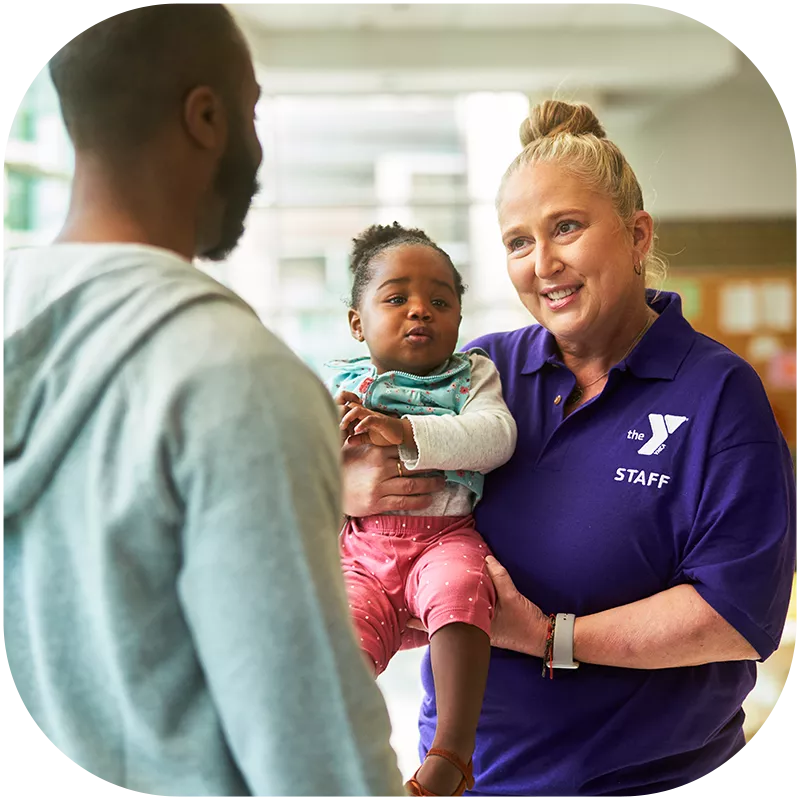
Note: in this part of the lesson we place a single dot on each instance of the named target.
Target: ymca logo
(662, 426)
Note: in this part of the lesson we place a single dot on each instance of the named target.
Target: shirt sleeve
(261, 584)
(740, 554)
(481, 438)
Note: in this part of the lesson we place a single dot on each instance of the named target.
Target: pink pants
(399, 567)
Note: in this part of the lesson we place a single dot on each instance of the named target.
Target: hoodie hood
(73, 314)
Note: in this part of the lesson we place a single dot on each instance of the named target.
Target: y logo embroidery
(663, 425)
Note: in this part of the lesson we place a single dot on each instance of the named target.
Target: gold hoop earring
(637, 267)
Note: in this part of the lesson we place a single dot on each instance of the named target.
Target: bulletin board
(753, 313)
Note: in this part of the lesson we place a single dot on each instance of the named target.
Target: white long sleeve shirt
(481, 438)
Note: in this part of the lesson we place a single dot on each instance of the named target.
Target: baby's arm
(382, 429)
(481, 438)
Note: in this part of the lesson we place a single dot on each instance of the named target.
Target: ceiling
(627, 60)
(458, 16)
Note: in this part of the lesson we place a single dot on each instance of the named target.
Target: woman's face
(570, 258)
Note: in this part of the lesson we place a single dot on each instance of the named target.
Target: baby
(441, 411)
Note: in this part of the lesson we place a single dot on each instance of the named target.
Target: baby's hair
(377, 239)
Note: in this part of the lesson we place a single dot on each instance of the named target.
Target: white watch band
(562, 642)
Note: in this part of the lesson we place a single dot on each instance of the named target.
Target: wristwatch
(562, 642)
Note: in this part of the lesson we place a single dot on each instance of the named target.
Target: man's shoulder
(217, 331)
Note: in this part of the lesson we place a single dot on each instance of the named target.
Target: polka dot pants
(398, 567)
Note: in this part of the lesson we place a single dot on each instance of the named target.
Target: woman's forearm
(674, 628)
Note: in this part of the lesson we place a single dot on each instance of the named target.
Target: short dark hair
(378, 238)
(121, 79)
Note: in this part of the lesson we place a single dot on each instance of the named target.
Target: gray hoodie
(175, 616)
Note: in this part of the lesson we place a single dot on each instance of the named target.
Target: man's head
(171, 84)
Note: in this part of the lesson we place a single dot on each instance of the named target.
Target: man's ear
(205, 119)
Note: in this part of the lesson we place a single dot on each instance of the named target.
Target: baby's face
(410, 311)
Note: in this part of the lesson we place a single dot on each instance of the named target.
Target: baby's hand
(382, 430)
(344, 402)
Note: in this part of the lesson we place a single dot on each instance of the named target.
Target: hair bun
(554, 116)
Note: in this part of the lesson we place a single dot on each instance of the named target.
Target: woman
(651, 496)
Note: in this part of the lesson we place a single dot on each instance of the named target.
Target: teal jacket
(443, 392)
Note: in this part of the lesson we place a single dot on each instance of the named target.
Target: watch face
(562, 642)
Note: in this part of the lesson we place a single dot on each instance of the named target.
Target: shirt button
(557, 400)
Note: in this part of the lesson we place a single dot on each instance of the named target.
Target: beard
(235, 182)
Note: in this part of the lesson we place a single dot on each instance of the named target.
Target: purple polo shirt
(676, 473)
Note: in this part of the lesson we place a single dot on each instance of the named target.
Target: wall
(723, 152)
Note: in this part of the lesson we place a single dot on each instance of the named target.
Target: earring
(637, 267)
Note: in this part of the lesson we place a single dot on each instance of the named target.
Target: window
(38, 167)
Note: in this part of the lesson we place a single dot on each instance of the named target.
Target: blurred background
(410, 112)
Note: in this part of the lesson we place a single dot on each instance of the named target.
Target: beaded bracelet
(547, 659)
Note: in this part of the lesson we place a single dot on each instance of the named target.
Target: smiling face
(409, 311)
(569, 256)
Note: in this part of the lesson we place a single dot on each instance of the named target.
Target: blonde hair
(570, 135)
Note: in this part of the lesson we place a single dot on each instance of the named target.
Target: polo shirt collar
(544, 351)
(658, 355)
(664, 347)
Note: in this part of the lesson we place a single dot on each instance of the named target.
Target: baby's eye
(440, 303)
(396, 300)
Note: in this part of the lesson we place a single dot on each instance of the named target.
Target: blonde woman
(645, 523)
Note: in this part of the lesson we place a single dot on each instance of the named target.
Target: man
(175, 616)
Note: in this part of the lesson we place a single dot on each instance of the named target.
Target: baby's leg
(374, 618)
(373, 605)
(460, 663)
(454, 597)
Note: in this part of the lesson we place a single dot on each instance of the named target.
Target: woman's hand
(375, 482)
(518, 624)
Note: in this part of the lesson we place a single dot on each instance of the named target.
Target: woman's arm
(674, 628)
